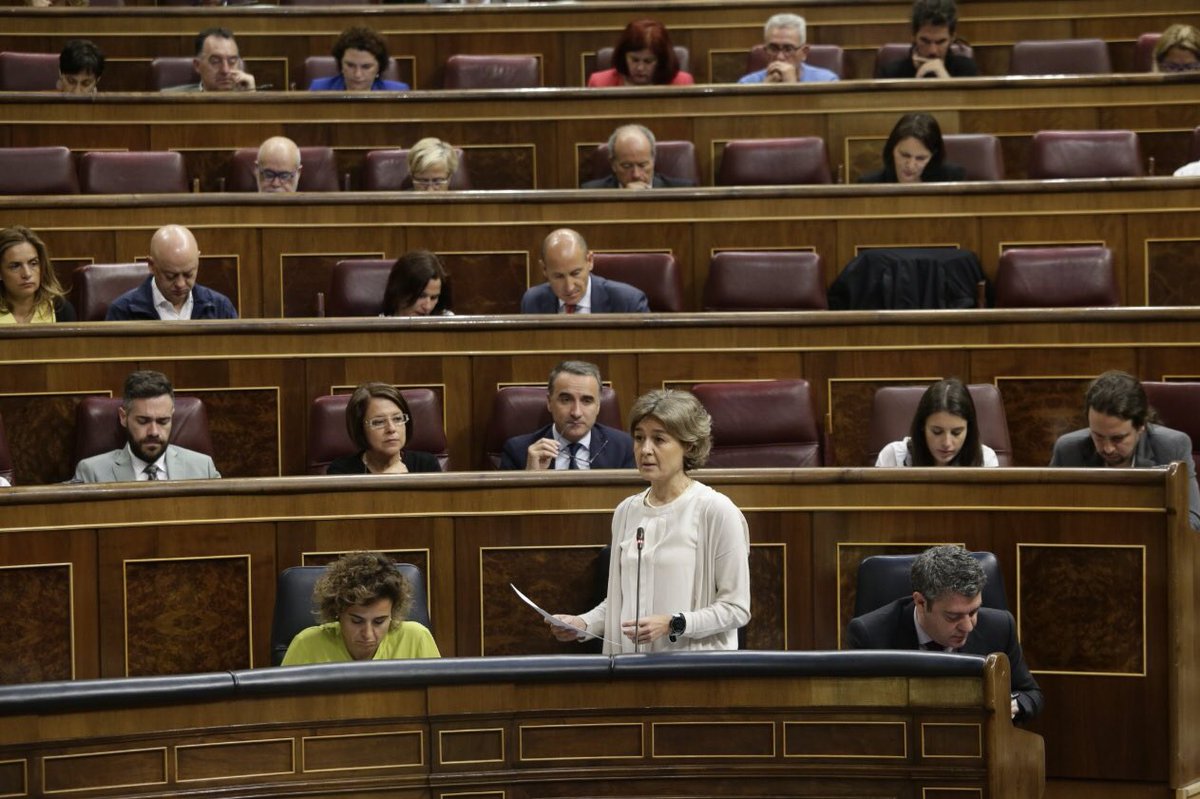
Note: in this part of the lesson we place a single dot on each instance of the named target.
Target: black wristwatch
(678, 625)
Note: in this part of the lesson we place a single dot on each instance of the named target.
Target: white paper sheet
(584, 635)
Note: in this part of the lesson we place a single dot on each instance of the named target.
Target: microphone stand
(637, 599)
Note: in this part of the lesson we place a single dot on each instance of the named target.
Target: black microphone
(637, 599)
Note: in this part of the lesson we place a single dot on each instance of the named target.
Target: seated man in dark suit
(171, 291)
(145, 413)
(573, 440)
(218, 63)
(944, 615)
(631, 152)
(571, 287)
(1120, 435)
(933, 25)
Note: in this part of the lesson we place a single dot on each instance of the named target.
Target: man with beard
(145, 413)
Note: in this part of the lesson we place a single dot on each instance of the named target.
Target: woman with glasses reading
(431, 165)
(1178, 50)
(379, 424)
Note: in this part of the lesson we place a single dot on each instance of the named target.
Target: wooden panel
(132, 768)
(580, 741)
(846, 739)
(234, 760)
(713, 739)
(39, 645)
(368, 750)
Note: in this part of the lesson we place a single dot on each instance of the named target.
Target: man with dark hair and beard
(145, 413)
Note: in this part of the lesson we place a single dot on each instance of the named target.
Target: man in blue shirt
(785, 40)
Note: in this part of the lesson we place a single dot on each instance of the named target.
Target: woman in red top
(643, 57)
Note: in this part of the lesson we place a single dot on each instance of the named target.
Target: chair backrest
(1143, 52)
(294, 609)
(604, 59)
(1085, 154)
(169, 71)
(1060, 57)
(1176, 405)
(674, 158)
(95, 286)
(979, 154)
(518, 410)
(324, 66)
(151, 172)
(655, 273)
(825, 56)
(319, 170)
(895, 51)
(765, 280)
(28, 72)
(387, 170)
(328, 439)
(6, 464)
(98, 429)
(493, 72)
(37, 170)
(774, 162)
(893, 408)
(1056, 277)
(761, 424)
(357, 286)
(884, 578)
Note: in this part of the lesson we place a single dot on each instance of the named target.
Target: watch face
(677, 624)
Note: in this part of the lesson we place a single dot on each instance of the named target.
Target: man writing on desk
(944, 614)
(574, 440)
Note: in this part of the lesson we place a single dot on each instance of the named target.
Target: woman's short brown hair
(49, 289)
(360, 578)
(361, 38)
(684, 418)
(356, 411)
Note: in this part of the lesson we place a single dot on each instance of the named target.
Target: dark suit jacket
(608, 296)
(138, 303)
(959, 66)
(415, 461)
(1158, 446)
(942, 173)
(611, 448)
(893, 627)
(658, 182)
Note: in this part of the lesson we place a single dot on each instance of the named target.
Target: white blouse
(896, 454)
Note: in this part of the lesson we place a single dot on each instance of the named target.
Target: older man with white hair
(785, 39)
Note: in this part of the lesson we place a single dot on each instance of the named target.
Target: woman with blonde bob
(362, 601)
(693, 591)
(1178, 49)
(432, 164)
(29, 289)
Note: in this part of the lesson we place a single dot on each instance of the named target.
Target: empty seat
(387, 170)
(328, 439)
(1085, 154)
(604, 59)
(493, 72)
(28, 72)
(774, 162)
(98, 429)
(893, 408)
(1143, 52)
(6, 463)
(655, 273)
(357, 286)
(133, 173)
(37, 170)
(885, 578)
(762, 424)
(826, 56)
(95, 286)
(674, 158)
(319, 173)
(979, 154)
(169, 71)
(895, 51)
(1060, 57)
(294, 602)
(765, 280)
(519, 410)
(323, 66)
(1056, 277)
(1176, 405)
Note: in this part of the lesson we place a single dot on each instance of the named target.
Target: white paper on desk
(584, 635)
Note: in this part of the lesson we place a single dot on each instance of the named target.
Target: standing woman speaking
(694, 586)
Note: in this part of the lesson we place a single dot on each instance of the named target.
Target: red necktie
(568, 308)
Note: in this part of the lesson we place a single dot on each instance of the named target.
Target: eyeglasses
(431, 183)
(271, 176)
(1173, 66)
(788, 50)
(380, 422)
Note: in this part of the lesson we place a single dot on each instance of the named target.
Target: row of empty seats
(20, 71)
(743, 162)
(769, 423)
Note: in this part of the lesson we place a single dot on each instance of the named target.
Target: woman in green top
(362, 600)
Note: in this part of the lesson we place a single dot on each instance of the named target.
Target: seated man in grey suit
(1120, 435)
(218, 63)
(631, 153)
(571, 287)
(944, 615)
(145, 413)
(573, 440)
